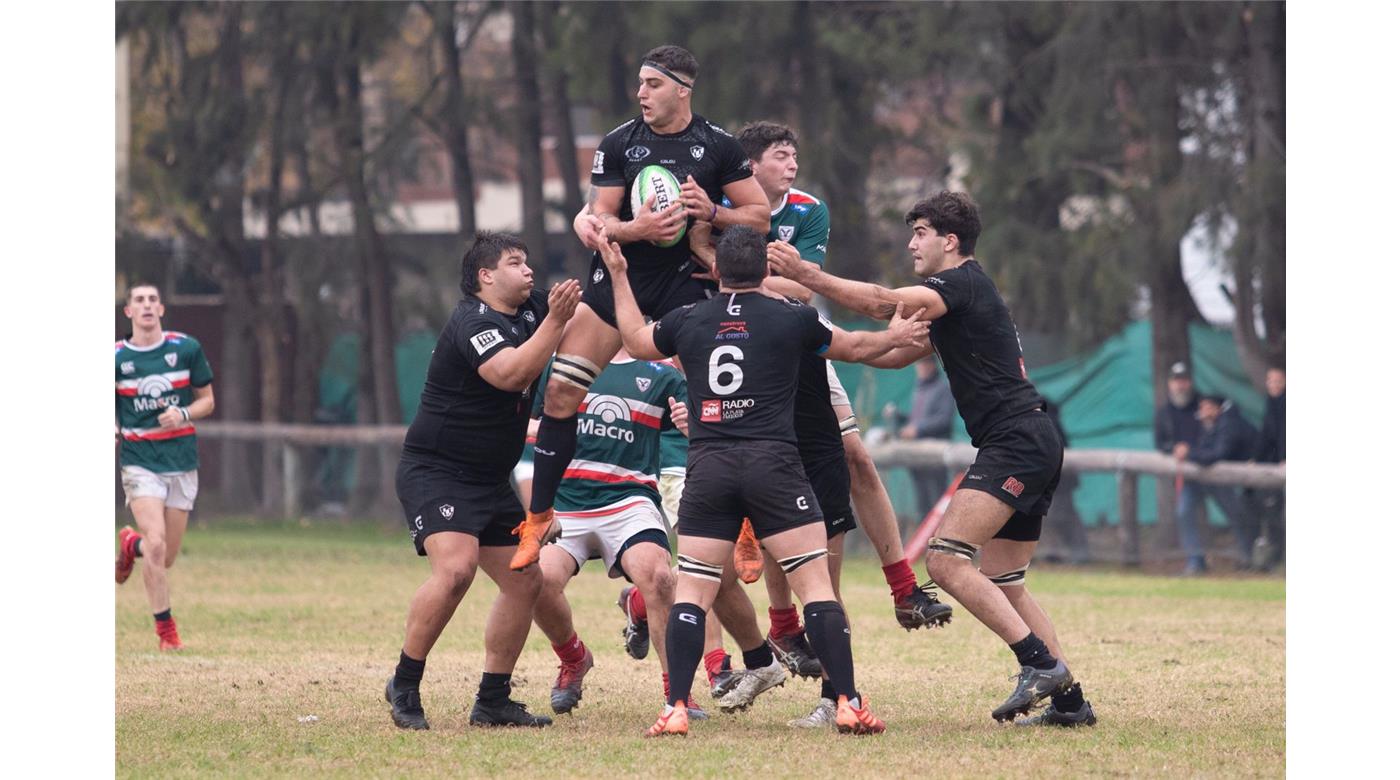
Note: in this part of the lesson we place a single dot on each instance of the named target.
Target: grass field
(285, 622)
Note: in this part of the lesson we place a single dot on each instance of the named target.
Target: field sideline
(284, 622)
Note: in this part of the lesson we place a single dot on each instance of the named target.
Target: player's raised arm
(516, 368)
(902, 357)
(636, 333)
(871, 300)
(868, 346)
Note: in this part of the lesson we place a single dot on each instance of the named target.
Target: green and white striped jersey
(150, 380)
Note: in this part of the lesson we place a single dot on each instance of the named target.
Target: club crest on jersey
(785, 232)
(170, 359)
(598, 276)
(447, 511)
(637, 153)
(128, 367)
(597, 162)
(643, 383)
(697, 151)
(529, 316)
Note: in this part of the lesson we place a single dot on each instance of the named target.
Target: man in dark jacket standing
(1271, 449)
(1224, 435)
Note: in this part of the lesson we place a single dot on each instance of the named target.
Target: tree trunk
(234, 388)
(454, 121)
(576, 259)
(529, 165)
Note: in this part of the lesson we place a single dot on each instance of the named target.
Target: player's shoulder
(714, 128)
(803, 202)
(623, 129)
(181, 340)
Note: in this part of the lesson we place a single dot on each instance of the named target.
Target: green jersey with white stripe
(619, 436)
(149, 381)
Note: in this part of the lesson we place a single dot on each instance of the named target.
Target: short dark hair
(675, 59)
(131, 288)
(756, 137)
(741, 257)
(950, 212)
(486, 250)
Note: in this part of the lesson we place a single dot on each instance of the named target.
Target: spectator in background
(930, 417)
(1268, 548)
(1224, 435)
(1175, 427)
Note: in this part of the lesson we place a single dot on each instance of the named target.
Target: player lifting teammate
(740, 351)
(710, 165)
(163, 385)
(999, 508)
(454, 477)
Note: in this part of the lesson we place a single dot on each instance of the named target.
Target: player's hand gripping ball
(658, 185)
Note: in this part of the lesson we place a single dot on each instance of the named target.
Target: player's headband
(667, 73)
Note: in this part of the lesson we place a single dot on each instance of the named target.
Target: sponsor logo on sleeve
(800, 208)
(598, 161)
(486, 340)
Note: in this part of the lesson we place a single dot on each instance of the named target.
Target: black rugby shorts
(726, 481)
(658, 290)
(1019, 463)
(831, 481)
(439, 497)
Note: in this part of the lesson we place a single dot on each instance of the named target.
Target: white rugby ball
(655, 180)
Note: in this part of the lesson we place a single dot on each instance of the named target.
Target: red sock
(637, 604)
(714, 662)
(571, 652)
(900, 577)
(783, 622)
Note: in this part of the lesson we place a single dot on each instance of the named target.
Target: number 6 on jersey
(726, 378)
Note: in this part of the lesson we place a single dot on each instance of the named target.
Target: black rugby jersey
(463, 419)
(703, 150)
(741, 352)
(980, 350)
(814, 421)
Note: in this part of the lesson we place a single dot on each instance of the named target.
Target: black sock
(495, 688)
(685, 643)
(1069, 701)
(828, 692)
(759, 657)
(554, 448)
(161, 617)
(409, 672)
(1032, 652)
(136, 547)
(830, 635)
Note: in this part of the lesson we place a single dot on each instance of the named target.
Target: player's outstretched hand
(590, 231)
(908, 331)
(563, 300)
(680, 416)
(696, 201)
(785, 261)
(659, 226)
(613, 259)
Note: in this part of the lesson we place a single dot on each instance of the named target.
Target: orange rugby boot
(850, 720)
(748, 558)
(535, 531)
(674, 721)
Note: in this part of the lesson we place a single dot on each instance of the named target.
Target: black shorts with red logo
(1019, 463)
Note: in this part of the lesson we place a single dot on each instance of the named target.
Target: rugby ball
(655, 180)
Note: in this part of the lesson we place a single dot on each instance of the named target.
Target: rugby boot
(922, 608)
(1084, 716)
(506, 713)
(1032, 685)
(748, 558)
(635, 636)
(796, 654)
(723, 682)
(674, 721)
(752, 683)
(823, 717)
(568, 686)
(405, 707)
(850, 720)
(169, 636)
(535, 531)
(126, 552)
(694, 711)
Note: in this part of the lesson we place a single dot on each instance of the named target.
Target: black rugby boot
(405, 707)
(506, 713)
(922, 608)
(1032, 685)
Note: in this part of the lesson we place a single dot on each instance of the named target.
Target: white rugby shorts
(176, 491)
(600, 533)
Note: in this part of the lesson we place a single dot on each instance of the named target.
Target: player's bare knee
(153, 550)
(661, 584)
(456, 577)
(947, 557)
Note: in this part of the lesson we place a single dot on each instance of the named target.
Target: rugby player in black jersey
(1002, 501)
(740, 351)
(454, 476)
(710, 166)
